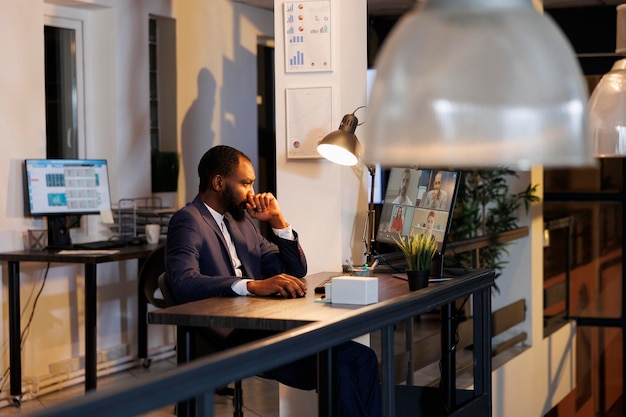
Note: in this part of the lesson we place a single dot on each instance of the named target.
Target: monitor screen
(66, 186)
(418, 201)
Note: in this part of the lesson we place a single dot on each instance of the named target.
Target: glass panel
(153, 85)
(61, 93)
(598, 375)
(607, 177)
(154, 139)
(154, 113)
(152, 30)
(153, 56)
(595, 275)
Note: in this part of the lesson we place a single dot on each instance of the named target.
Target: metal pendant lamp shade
(478, 83)
(607, 105)
(342, 146)
(607, 112)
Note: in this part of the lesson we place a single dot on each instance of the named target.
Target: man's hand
(282, 285)
(264, 207)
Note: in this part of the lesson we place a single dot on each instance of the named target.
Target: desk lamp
(478, 83)
(343, 147)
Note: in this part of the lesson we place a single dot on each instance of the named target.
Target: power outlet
(112, 353)
(67, 366)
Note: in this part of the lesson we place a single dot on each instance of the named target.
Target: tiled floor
(260, 395)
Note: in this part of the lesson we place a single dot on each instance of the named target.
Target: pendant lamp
(607, 105)
(478, 83)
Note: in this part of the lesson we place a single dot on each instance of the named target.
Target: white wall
(534, 382)
(327, 203)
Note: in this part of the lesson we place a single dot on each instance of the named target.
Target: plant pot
(417, 279)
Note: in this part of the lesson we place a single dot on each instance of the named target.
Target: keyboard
(100, 244)
(321, 287)
(109, 243)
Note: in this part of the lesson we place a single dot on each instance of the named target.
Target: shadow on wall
(196, 133)
(238, 96)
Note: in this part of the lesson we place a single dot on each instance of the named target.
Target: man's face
(404, 186)
(237, 187)
(438, 180)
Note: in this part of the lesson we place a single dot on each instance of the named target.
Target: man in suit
(213, 249)
(436, 198)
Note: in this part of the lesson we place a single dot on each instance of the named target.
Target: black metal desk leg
(448, 356)
(409, 323)
(142, 324)
(142, 328)
(184, 354)
(15, 338)
(325, 383)
(482, 343)
(387, 372)
(91, 354)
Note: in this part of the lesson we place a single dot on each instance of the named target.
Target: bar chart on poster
(307, 36)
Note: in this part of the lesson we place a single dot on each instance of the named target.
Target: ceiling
(397, 7)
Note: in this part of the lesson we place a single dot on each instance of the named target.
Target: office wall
(325, 201)
(216, 47)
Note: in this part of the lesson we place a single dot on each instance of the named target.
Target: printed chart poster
(307, 36)
(309, 119)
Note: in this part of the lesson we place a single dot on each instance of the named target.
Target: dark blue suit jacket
(198, 263)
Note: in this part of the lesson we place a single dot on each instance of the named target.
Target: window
(64, 88)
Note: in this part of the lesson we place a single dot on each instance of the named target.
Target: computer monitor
(62, 190)
(419, 201)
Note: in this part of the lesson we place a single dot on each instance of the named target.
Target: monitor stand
(59, 230)
(436, 266)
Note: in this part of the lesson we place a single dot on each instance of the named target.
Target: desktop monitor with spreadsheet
(61, 189)
(418, 201)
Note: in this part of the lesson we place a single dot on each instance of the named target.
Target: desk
(284, 314)
(90, 261)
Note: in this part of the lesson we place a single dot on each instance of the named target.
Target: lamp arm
(369, 234)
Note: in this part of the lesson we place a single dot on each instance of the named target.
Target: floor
(260, 395)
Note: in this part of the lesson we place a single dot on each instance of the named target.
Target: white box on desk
(354, 290)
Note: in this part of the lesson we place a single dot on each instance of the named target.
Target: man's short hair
(219, 160)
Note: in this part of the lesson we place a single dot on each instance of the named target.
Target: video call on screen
(417, 201)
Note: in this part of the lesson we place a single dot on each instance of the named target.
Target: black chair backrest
(153, 266)
(166, 290)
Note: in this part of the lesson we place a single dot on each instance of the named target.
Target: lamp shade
(478, 83)
(607, 113)
(342, 146)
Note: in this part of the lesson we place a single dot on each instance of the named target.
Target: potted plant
(419, 251)
(486, 206)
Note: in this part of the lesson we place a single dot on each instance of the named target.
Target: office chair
(147, 292)
(153, 266)
(237, 392)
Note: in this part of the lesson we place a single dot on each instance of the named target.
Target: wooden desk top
(271, 313)
(123, 253)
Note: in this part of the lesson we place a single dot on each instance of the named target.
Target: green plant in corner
(418, 250)
(485, 206)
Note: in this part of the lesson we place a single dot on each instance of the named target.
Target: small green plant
(418, 250)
